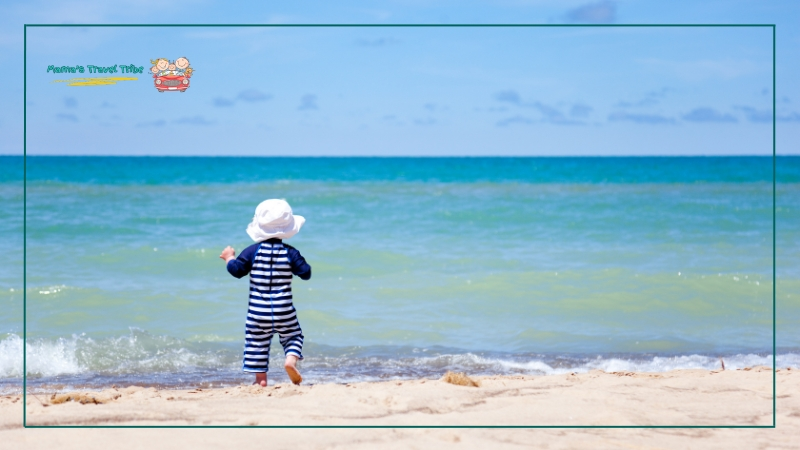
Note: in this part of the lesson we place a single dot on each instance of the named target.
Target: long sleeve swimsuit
(271, 264)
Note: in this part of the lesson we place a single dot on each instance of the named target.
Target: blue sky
(407, 91)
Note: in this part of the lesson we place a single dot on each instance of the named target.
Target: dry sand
(682, 397)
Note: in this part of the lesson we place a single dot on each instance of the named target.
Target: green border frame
(25, 218)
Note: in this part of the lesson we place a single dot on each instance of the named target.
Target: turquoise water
(420, 265)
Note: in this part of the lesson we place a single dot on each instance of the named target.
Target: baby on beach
(271, 264)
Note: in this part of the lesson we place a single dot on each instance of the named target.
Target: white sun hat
(274, 219)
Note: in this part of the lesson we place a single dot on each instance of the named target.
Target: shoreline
(325, 369)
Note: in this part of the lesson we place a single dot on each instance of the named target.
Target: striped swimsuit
(270, 310)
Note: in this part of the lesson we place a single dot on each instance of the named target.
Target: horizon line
(394, 156)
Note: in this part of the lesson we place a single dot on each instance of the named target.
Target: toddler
(271, 264)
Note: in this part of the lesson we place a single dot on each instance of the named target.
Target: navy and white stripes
(270, 309)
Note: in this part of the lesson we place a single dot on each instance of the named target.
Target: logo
(96, 81)
(171, 75)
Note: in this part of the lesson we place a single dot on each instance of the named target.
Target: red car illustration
(171, 83)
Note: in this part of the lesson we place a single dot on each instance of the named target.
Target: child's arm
(239, 267)
(299, 265)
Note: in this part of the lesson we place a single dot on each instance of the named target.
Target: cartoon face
(182, 63)
(154, 70)
(162, 64)
(171, 67)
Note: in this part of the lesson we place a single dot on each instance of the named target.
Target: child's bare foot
(261, 378)
(291, 369)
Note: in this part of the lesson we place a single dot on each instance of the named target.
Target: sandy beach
(681, 397)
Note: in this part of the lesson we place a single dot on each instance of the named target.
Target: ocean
(420, 265)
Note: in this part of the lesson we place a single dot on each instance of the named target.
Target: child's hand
(228, 254)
